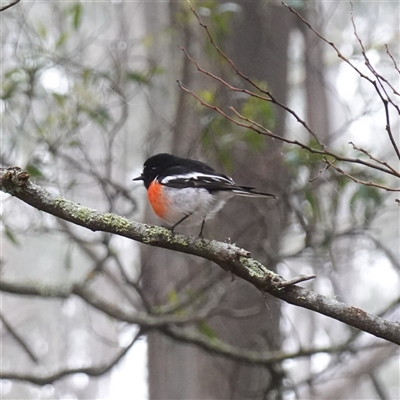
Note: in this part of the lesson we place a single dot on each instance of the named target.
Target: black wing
(211, 181)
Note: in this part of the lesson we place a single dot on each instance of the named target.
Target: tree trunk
(178, 371)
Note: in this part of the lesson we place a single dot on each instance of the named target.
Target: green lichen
(155, 233)
(82, 213)
(254, 267)
(78, 212)
(65, 205)
(121, 224)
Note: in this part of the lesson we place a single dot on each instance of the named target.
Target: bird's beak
(139, 178)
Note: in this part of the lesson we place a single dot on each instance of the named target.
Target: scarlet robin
(185, 191)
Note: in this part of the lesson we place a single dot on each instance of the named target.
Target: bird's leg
(202, 226)
(180, 221)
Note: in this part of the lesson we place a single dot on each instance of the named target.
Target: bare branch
(339, 54)
(217, 78)
(271, 98)
(319, 173)
(254, 126)
(367, 62)
(394, 61)
(91, 371)
(367, 153)
(216, 346)
(258, 128)
(379, 77)
(365, 183)
(13, 3)
(19, 339)
(229, 257)
(294, 281)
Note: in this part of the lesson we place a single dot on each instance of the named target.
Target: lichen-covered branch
(228, 256)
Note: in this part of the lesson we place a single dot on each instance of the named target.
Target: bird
(188, 192)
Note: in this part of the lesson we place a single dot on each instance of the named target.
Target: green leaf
(74, 143)
(312, 200)
(33, 170)
(62, 39)
(150, 72)
(206, 329)
(254, 140)
(8, 89)
(208, 96)
(86, 75)
(138, 77)
(259, 111)
(10, 236)
(100, 115)
(173, 297)
(76, 11)
(42, 30)
(367, 194)
(366, 200)
(60, 99)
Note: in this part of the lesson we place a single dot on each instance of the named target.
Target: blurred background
(89, 92)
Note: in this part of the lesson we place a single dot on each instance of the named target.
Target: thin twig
(379, 78)
(367, 153)
(261, 129)
(294, 281)
(19, 339)
(361, 182)
(13, 3)
(367, 62)
(250, 81)
(264, 131)
(319, 173)
(250, 121)
(339, 54)
(217, 78)
(216, 346)
(346, 60)
(91, 371)
(394, 61)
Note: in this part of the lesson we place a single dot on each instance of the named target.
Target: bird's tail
(251, 192)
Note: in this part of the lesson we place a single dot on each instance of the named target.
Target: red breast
(157, 199)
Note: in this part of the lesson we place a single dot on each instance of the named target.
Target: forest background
(300, 100)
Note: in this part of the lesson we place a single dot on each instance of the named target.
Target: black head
(155, 165)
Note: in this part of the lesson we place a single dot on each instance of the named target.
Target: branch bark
(228, 256)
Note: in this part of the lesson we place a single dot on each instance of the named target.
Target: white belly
(203, 205)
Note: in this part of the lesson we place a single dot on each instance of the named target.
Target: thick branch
(227, 256)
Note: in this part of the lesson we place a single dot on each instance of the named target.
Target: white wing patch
(198, 176)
